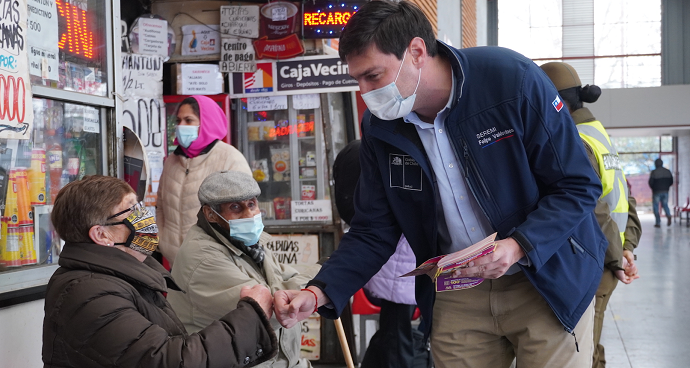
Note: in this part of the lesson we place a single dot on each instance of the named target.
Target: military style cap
(562, 75)
(228, 186)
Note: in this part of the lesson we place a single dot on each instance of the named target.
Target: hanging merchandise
(10, 222)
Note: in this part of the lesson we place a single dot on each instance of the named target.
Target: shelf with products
(64, 146)
(284, 148)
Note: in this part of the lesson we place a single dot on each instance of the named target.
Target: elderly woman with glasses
(105, 305)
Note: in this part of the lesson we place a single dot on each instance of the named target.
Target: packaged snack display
(280, 159)
(308, 192)
(260, 170)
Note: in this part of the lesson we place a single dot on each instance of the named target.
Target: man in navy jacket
(480, 143)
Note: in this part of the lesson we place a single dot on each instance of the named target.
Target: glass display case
(65, 145)
(283, 143)
(66, 42)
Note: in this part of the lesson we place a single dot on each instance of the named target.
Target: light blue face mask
(186, 134)
(246, 230)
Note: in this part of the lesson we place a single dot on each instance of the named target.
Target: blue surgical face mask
(186, 134)
(246, 230)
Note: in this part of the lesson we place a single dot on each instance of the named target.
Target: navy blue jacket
(523, 161)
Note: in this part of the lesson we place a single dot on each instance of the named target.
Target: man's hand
(629, 271)
(293, 306)
(261, 295)
(494, 265)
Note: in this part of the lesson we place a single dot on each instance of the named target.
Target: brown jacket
(104, 308)
(177, 202)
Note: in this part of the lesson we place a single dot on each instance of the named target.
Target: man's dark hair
(388, 25)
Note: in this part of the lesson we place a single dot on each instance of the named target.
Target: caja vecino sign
(313, 74)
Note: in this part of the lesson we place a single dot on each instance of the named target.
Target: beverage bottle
(55, 168)
(73, 161)
(37, 175)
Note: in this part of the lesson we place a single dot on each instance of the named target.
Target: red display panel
(77, 36)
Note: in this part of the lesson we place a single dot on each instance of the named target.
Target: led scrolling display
(77, 38)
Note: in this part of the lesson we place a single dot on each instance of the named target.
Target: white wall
(682, 178)
(21, 328)
(449, 20)
(654, 107)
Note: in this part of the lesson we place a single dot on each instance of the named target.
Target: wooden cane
(343, 343)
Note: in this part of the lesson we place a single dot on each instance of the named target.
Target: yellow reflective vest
(615, 189)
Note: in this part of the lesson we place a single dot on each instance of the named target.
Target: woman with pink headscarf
(201, 126)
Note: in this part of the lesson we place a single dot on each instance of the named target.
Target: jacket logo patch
(492, 135)
(611, 161)
(405, 172)
(557, 104)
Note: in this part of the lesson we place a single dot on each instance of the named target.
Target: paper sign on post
(43, 39)
(200, 79)
(315, 210)
(306, 101)
(242, 21)
(237, 56)
(16, 107)
(153, 36)
(267, 103)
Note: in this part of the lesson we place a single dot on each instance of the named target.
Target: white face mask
(387, 103)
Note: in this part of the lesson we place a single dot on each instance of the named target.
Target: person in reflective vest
(615, 210)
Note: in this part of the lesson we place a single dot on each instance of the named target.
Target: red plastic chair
(684, 209)
(368, 311)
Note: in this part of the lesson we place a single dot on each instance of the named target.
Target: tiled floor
(648, 322)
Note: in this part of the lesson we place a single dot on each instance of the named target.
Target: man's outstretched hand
(293, 306)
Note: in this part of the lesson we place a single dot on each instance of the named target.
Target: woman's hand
(261, 295)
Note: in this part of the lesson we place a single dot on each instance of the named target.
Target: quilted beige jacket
(177, 203)
(212, 271)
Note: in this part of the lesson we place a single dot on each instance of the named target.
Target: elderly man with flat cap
(225, 251)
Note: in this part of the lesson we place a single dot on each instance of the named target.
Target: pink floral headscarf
(213, 124)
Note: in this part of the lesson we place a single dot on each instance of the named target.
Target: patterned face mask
(143, 235)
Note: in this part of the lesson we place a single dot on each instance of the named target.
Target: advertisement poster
(42, 37)
(310, 346)
(237, 56)
(308, 75)
(239, 21)
(16, 113)
(295, 249)
(199, 39)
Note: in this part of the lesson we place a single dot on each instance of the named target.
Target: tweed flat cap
(562, 75)
(228, 186)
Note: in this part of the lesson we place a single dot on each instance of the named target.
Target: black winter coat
(104, 308)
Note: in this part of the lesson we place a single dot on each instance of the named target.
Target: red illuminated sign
(326, 20)
(292, 129)
(77, 36)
